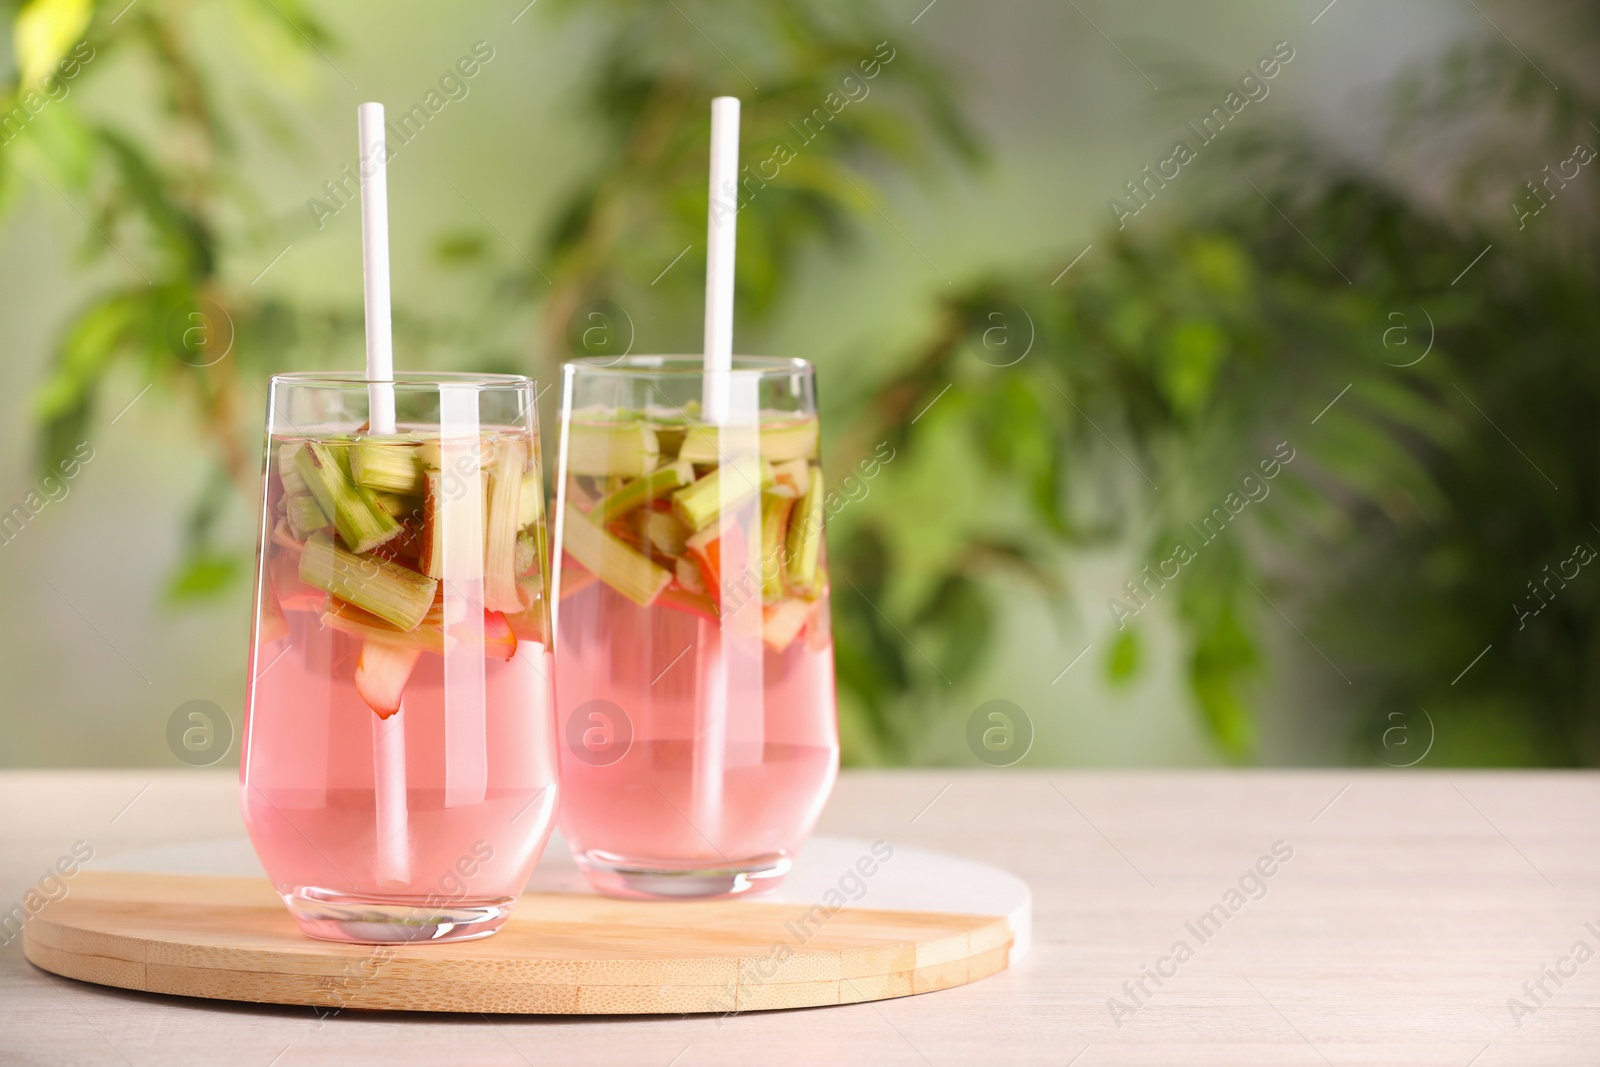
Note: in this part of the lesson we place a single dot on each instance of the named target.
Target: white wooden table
(1413, 909)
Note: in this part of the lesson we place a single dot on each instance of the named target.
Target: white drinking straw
(722, 214)
(388, 735)
(711, 666)
(375, 266)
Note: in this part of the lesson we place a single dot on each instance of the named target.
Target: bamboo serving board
(560, 953)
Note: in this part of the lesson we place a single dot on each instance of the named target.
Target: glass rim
(684, 366)
(400, 379)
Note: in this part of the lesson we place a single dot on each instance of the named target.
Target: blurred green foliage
(1121, 402)
(1439, 417)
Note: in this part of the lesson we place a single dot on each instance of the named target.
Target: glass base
(618, 876)
(332, 916)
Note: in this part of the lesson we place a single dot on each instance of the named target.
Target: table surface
(1408, 918)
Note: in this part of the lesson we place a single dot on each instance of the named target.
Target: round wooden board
(229, 937)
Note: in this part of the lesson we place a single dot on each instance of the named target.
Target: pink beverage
(694, 672)
(399, 770)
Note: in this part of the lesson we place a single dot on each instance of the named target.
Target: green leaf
(203, 577)
(1123, 661)
(44, 31)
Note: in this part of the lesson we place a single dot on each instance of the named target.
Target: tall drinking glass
(399, 768)
(694, 656)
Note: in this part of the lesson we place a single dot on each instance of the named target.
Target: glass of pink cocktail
(694, 655)
(399, 768)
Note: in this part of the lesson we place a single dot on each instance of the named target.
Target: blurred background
(1234, 362)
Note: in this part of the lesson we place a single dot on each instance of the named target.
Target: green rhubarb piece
(305, 516)
(288, 473)
(670, 438)
(390, 467)
(665, 533)
(638, 491)
(398, 596)
(792, 439)
(726, 488)
(401, 507)
(429, 636)
(805, 536)
(531, 507)
(700, 446)
(775, 508)
(780, 441)
(703, 444)
(627, 450)
(611, 560)
(466, 456)
(503, 508)
(361, 523)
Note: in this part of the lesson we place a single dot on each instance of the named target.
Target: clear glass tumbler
(399, 766)
(694, 655)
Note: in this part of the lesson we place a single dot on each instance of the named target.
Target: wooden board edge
(507, 997)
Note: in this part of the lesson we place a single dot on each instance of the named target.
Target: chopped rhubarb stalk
(430, 557)
(721, 553)
(788, 440)
(612, 561)
(500, 536)
(430, 455)
(699, 505)
(794, 473)
(304, 515)
(683, 600)
(782, 622)
(288, 473)
(361, 523)
(665, 533)
(700, 445)
(393, 468)
(805, 538)
(628, 530)
(780, 442)
(382, 673)
(775, 508)
(530, 508)
(632, 494)
(401, 507)
(393, 593)
(403, 549)
(689, 576)
(670, 438)
(283, 537)
(429, 636)
(627, 450)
